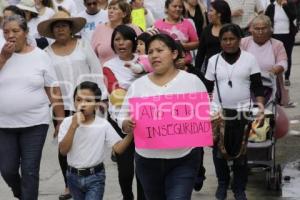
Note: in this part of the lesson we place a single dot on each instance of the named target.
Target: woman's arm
(6, 52)
(54, 95)
(122, 145)
(110, 80)
(290, 10)
(280, 57)
(202, 48)
(96, 69)
(2, 61)
(190, 45)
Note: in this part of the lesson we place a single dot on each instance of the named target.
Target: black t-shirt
(198, 19)
(209, 45)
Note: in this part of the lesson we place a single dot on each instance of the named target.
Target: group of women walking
(229, 66)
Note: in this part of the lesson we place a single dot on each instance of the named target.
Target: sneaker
(221, 193)
(287, 83)
(240, 195)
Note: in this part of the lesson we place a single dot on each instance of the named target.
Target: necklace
(230, 75)
(230, 59)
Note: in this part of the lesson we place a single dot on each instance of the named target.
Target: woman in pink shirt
(270, 55)
(119, 12)
(180, 29)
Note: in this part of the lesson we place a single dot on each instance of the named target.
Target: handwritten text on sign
(172, 121)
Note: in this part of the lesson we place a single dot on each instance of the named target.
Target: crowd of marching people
(88, 58)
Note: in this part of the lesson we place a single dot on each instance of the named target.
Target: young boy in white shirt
(83, 137)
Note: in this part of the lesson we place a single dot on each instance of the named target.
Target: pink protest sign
(172, 121)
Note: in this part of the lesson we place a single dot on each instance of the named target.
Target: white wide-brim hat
(27, 5)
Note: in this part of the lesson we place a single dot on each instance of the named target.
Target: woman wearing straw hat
(27, 83)
(74, 62)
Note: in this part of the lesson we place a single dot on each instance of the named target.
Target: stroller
(261, 155)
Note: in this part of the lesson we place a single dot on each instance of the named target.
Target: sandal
(290, 105)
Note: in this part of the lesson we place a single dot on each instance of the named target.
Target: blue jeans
(86, 187)
(22, 147)
(168, 179)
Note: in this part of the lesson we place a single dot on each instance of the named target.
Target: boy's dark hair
(88, 85)
(128, 33)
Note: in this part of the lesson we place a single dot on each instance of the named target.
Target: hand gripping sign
(172, 121)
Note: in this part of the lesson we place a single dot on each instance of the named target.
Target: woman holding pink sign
(163, 173)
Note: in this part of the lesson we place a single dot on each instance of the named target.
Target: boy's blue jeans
(86, 187)
(168, 179)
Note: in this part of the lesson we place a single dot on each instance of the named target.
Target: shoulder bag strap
(216, 80)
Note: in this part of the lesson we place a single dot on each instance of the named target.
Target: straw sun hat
(44, 28)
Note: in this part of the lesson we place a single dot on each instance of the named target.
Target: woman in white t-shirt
(163, 173)
(27, 84)
(74, 62)
(235, 73)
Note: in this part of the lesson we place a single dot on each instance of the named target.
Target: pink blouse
(184, 31)
(101, 41)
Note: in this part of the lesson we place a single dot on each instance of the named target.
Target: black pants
(125, 163)
(239, 168)
(235, 123)
(61, 158)
(288, 41)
